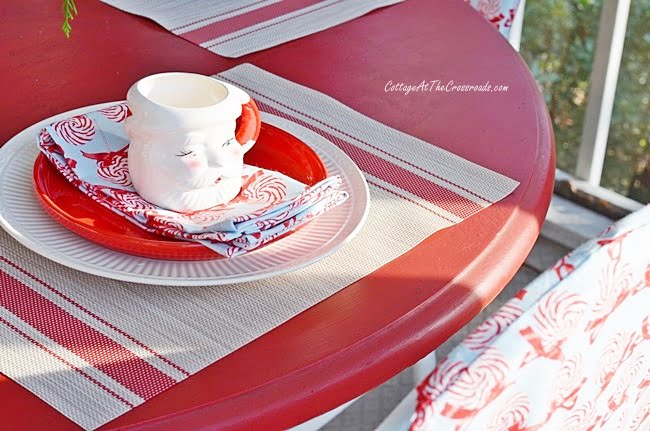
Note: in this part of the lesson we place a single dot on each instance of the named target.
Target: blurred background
(558, 43)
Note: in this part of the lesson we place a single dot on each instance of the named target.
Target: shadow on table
(348, 337)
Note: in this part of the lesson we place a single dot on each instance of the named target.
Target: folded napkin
(236, 28)
(91, 152)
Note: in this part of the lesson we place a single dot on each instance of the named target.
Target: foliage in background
(69, 12)
(558, 43)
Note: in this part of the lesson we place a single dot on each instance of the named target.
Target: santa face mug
(186, 152)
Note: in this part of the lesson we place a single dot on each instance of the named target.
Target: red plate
(275, 149)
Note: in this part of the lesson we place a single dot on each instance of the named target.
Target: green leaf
(69, 12)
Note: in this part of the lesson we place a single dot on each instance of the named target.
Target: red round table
(371, 330)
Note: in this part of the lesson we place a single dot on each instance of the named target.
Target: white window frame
(602, 90)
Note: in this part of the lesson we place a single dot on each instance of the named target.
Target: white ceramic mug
(184, 152)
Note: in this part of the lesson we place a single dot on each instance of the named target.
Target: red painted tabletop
(371, 330)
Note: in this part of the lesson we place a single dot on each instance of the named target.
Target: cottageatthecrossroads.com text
(438, 86)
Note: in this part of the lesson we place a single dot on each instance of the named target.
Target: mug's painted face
(201, 159)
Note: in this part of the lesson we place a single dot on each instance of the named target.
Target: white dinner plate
(22, 216)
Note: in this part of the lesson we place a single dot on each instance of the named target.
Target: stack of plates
(44, 212)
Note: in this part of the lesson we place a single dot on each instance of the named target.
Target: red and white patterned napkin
(236, 28)
(94, 348)
(91, 151)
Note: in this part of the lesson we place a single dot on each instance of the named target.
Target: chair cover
(570, 352)
(500, 13)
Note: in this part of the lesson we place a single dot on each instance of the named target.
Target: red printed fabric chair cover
(500, 13)
(571, 352)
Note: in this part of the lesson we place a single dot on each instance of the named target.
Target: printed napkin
(91, 151)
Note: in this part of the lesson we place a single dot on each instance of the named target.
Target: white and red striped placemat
(94, 348)
(233, 28)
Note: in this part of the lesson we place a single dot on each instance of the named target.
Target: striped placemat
(94, 348)
(233, 28)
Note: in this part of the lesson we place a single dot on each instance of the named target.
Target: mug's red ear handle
(248, 125)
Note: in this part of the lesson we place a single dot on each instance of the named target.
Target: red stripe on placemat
(96, 317)
(393, 192)
(289, 18)
(59, 358)
(355, 138)
(239, 22)
(391, 173)
(101, 352)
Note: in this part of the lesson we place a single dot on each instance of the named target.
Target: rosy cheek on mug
(194, 164)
